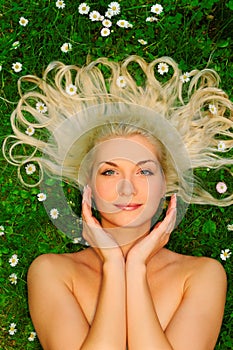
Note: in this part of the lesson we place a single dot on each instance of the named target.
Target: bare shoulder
(194, 270)
(52, 264)
(204, 270)
(202, 265)
(208, 271)
(47, 262)
(194, 262)
(59, 265)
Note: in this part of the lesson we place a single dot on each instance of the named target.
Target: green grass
(196, 34)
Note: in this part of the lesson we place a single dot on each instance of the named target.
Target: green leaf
(209, 227)
(223, 43)
(230, 4)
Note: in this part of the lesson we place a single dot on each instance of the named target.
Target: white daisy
(157, 8)
(41, 107)
(109, 14)
(16, 44)
(23, 21)
(2, 230)
(142, 42)
(124, 24)
(12, 329)
(30, 131)
(121, 82)
(95, 16)
(13, 278)
(221, 146)
(83, 8)
(185, 78)
(60, 4)
(77, 240)
(163, 68)
(225, 254)
(151, 19)
(213, 109)
(71, 89)
(54, 213)
(41, 197)
(230, 227)
(107, 23)
(30, 169)
(115, 8)
(14, 260)
(105, 32)
(32, 336)
(17, 66)
(66, 47)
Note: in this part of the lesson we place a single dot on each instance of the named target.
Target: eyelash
(145, 172)
(149, 172)
(106, 172)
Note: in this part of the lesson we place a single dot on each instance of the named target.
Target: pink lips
(128, 207)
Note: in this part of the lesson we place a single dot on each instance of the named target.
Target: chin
(128, 219)
(126, 222)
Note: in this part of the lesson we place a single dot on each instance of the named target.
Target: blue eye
(146, 172)
(108, 172)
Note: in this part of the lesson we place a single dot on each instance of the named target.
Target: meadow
(196, 34)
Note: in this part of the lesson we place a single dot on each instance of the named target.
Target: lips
(128, 207)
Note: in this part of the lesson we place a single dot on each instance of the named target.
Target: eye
(108, 172)
(146, 172)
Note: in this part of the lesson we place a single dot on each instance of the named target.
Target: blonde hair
(69, 91)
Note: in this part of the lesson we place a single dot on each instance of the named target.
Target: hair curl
(186, 109)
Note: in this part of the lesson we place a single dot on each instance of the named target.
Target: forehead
(134, 148)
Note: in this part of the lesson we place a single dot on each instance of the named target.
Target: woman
(127, 290)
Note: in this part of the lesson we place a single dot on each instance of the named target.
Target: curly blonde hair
(201, 114)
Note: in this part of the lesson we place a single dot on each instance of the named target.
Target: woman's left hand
(142, 251)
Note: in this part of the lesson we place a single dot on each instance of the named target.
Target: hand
(101, 241)
(156, 239)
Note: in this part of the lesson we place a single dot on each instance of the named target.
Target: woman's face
(127, 181)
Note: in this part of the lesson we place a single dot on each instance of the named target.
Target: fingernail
(84, 193)
(88, 189)
(175, 198)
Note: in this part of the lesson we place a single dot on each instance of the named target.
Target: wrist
(114, 263)
(137, 266)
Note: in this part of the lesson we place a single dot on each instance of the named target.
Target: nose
(125, 188)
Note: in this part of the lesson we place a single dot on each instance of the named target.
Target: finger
(172, 203)
(88, 192)
(170, 220)
(171, 206)
(88, 219)
(86, 204)
(87, 195)
(168, 223)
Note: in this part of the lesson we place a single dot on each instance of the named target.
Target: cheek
(156, 189)
(104, 190)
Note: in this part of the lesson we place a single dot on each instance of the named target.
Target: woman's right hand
(101, 241)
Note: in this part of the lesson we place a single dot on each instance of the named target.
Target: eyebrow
(137, 164)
